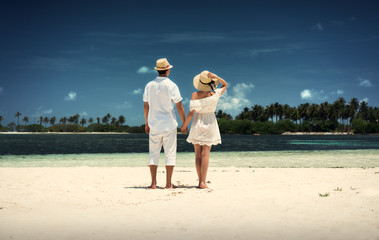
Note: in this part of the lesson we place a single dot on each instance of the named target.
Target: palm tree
(287, 111)
(76, 118)
(105, 120)
(312, 111)
(90, 120)
(353, 107)
(303, 109)
(278, 111)
(257, 113)
(98, 120)
(52, 120)
(270, 110)
(63, 120)
(337, 109)
(83, 122)
(71, 119)
(18, 115)
(324, 111)
(1, 119)
(363, 110)
(40, 120)
(295, 115)
(46, 121)
(121, 119)
(25, 119)
(220, 114)
(114, 121)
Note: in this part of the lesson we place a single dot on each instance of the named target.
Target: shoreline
(285, 133)
(368, 158)
(64, 133)
(318, 133)
(114, 203)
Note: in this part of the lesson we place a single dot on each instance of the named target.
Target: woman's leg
(198, 160)
(205, 150)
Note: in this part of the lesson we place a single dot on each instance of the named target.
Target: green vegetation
(73, 124)
(339, 116)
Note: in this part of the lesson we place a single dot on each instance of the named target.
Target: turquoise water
(252, 159)
(342, 143)
(28, 144)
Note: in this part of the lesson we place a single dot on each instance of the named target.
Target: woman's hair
(162, 72)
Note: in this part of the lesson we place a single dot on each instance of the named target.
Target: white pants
(167, 139)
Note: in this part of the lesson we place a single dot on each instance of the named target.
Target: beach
(241, 203)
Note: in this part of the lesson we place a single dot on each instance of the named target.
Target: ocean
(131, 150)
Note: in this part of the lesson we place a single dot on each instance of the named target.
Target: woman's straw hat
(203, 83)
(162, 64)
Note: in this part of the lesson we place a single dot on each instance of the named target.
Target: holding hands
(184, 129)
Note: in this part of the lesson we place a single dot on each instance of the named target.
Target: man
(159, 98)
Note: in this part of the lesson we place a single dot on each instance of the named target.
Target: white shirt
(162, 94)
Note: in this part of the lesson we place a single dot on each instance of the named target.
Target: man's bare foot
(153, 186)
(171, 186)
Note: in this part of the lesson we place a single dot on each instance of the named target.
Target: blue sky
(59, 58)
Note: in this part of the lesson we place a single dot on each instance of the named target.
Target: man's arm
(182, 113)
(146, 112)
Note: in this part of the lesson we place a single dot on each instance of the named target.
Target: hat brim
(162, 69)
(202, 87)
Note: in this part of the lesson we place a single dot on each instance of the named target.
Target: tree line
(73, 123)
(339, 116)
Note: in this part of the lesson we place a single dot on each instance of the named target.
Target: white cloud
(364, 82)
(42, 112)
(47, 112)
(83, 114)
(71, 96)
(285, 49)
(137, 91)
(307, 94)
(124, 105)
(338, 92)
(192, 37)
(363, 100)
(144, 70)
(234, 100)
(318, 27)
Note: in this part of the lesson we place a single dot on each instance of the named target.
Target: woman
(204, 130)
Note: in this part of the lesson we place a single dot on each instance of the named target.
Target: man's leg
(153, 172)
(169, 146)
(169, 171)
(155, 146)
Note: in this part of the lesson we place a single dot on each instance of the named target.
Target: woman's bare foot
(202, 186)
(171, 186)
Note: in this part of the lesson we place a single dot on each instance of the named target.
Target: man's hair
(162, 72)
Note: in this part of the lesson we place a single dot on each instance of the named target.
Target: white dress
(204, 128)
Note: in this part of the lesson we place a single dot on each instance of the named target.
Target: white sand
(242, 203)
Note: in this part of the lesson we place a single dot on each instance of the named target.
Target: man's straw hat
(162, 64)
(203, 83)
